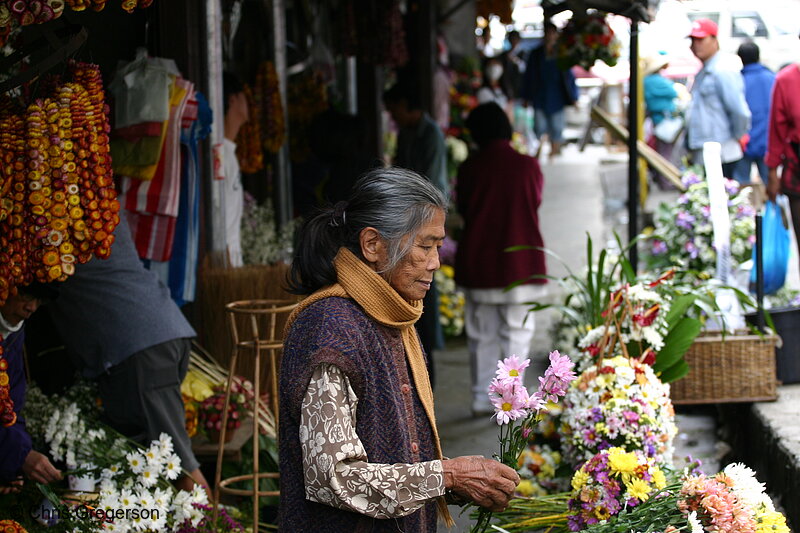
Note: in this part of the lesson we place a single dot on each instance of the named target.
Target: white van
(742, 21)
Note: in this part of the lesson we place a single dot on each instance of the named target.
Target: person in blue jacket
(17, 458)
(758, 81)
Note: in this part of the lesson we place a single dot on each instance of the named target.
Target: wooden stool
(270, 342)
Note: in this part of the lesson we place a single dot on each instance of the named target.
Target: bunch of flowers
(58, 205)
(517, 411)
(451, 302)
(539, 469)
(683, 234)
(618, 402)
(612, 480)
(732, 501)
(467, 80)
(129, 476)
(263, 243)
(586, 39)
(239, 404)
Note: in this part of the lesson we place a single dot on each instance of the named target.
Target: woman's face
(413, 275)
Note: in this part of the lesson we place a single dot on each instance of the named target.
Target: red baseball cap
(703, 28)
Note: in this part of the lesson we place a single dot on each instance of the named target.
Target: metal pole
(216, 231)
(633, 137)
(283, 171)
(760, 321)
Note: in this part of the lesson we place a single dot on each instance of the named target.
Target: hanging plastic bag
(775, 247)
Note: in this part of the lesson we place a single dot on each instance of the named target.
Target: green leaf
(675, 372)
(678, 308)
(676, 343)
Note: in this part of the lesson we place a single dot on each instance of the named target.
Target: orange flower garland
(248, 141)
(268, 103)
(7, 415)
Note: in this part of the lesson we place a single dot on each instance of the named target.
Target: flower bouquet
(618, 403)
(211, 410)
(683, 234)
(263, 243)
(609, 482)
(451, 302)
(586, 39)
(732, 501)
(517, 411)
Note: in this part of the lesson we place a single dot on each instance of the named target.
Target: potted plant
(211, 410)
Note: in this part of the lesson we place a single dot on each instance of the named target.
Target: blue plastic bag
(775, 247)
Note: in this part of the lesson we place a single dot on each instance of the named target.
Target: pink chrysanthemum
(510, 402)
(511, 368)
(557, 377)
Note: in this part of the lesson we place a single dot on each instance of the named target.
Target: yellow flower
(622, 462)
(579, 479)
(600, 428)
(447, 270)
(771, 521)
(525, 487)
(639, 489)
(659, 480)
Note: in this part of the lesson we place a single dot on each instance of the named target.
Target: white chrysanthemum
(165, 443)
(153, 454)
(136, 462)
(149, 475)
(126, 499)
(593, 336)
(640, 292)
(747, 487)
(172, 466)
(694, 524)
(653, 338)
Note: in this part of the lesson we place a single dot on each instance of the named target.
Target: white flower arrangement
(263, 243)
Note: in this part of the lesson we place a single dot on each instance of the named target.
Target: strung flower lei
(8, 417)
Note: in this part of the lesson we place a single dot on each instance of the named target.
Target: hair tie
(338, 215)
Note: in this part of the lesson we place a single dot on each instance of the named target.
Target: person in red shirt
(498, 193)
(784, 139)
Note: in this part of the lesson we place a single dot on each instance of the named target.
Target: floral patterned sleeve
(337, 471)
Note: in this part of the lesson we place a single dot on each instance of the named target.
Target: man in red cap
(719, 111)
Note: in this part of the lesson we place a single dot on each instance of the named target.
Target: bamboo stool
(270, 342)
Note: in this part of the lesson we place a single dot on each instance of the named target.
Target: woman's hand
(14, 486)
(773, 184)
(486, 482)
(38, 468)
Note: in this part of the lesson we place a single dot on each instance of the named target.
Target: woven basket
(738, 368)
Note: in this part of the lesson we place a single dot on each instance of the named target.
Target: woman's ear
(372, 245)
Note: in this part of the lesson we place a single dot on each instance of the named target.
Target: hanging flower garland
(248, 141)
(26, 12)
(58, 204)
(586, 39)
(268, 99)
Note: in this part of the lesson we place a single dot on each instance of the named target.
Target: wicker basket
(738, 368)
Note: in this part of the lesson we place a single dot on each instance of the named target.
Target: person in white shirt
(236, 114)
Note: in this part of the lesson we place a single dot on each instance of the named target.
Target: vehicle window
(748, 26)
(694, 15)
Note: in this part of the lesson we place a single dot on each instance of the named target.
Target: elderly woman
(359, 449)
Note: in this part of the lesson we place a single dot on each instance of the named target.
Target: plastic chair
(254, 343)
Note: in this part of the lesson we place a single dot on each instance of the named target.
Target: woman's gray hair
(395, 201)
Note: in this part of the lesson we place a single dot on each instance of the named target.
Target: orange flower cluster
(7, 415)
(15, 13)
(308, 96)
(248, 141)
(10, 526)
(58, 205)
(268, 100)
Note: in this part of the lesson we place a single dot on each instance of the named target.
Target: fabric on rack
(153, 205)
(180, 272)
